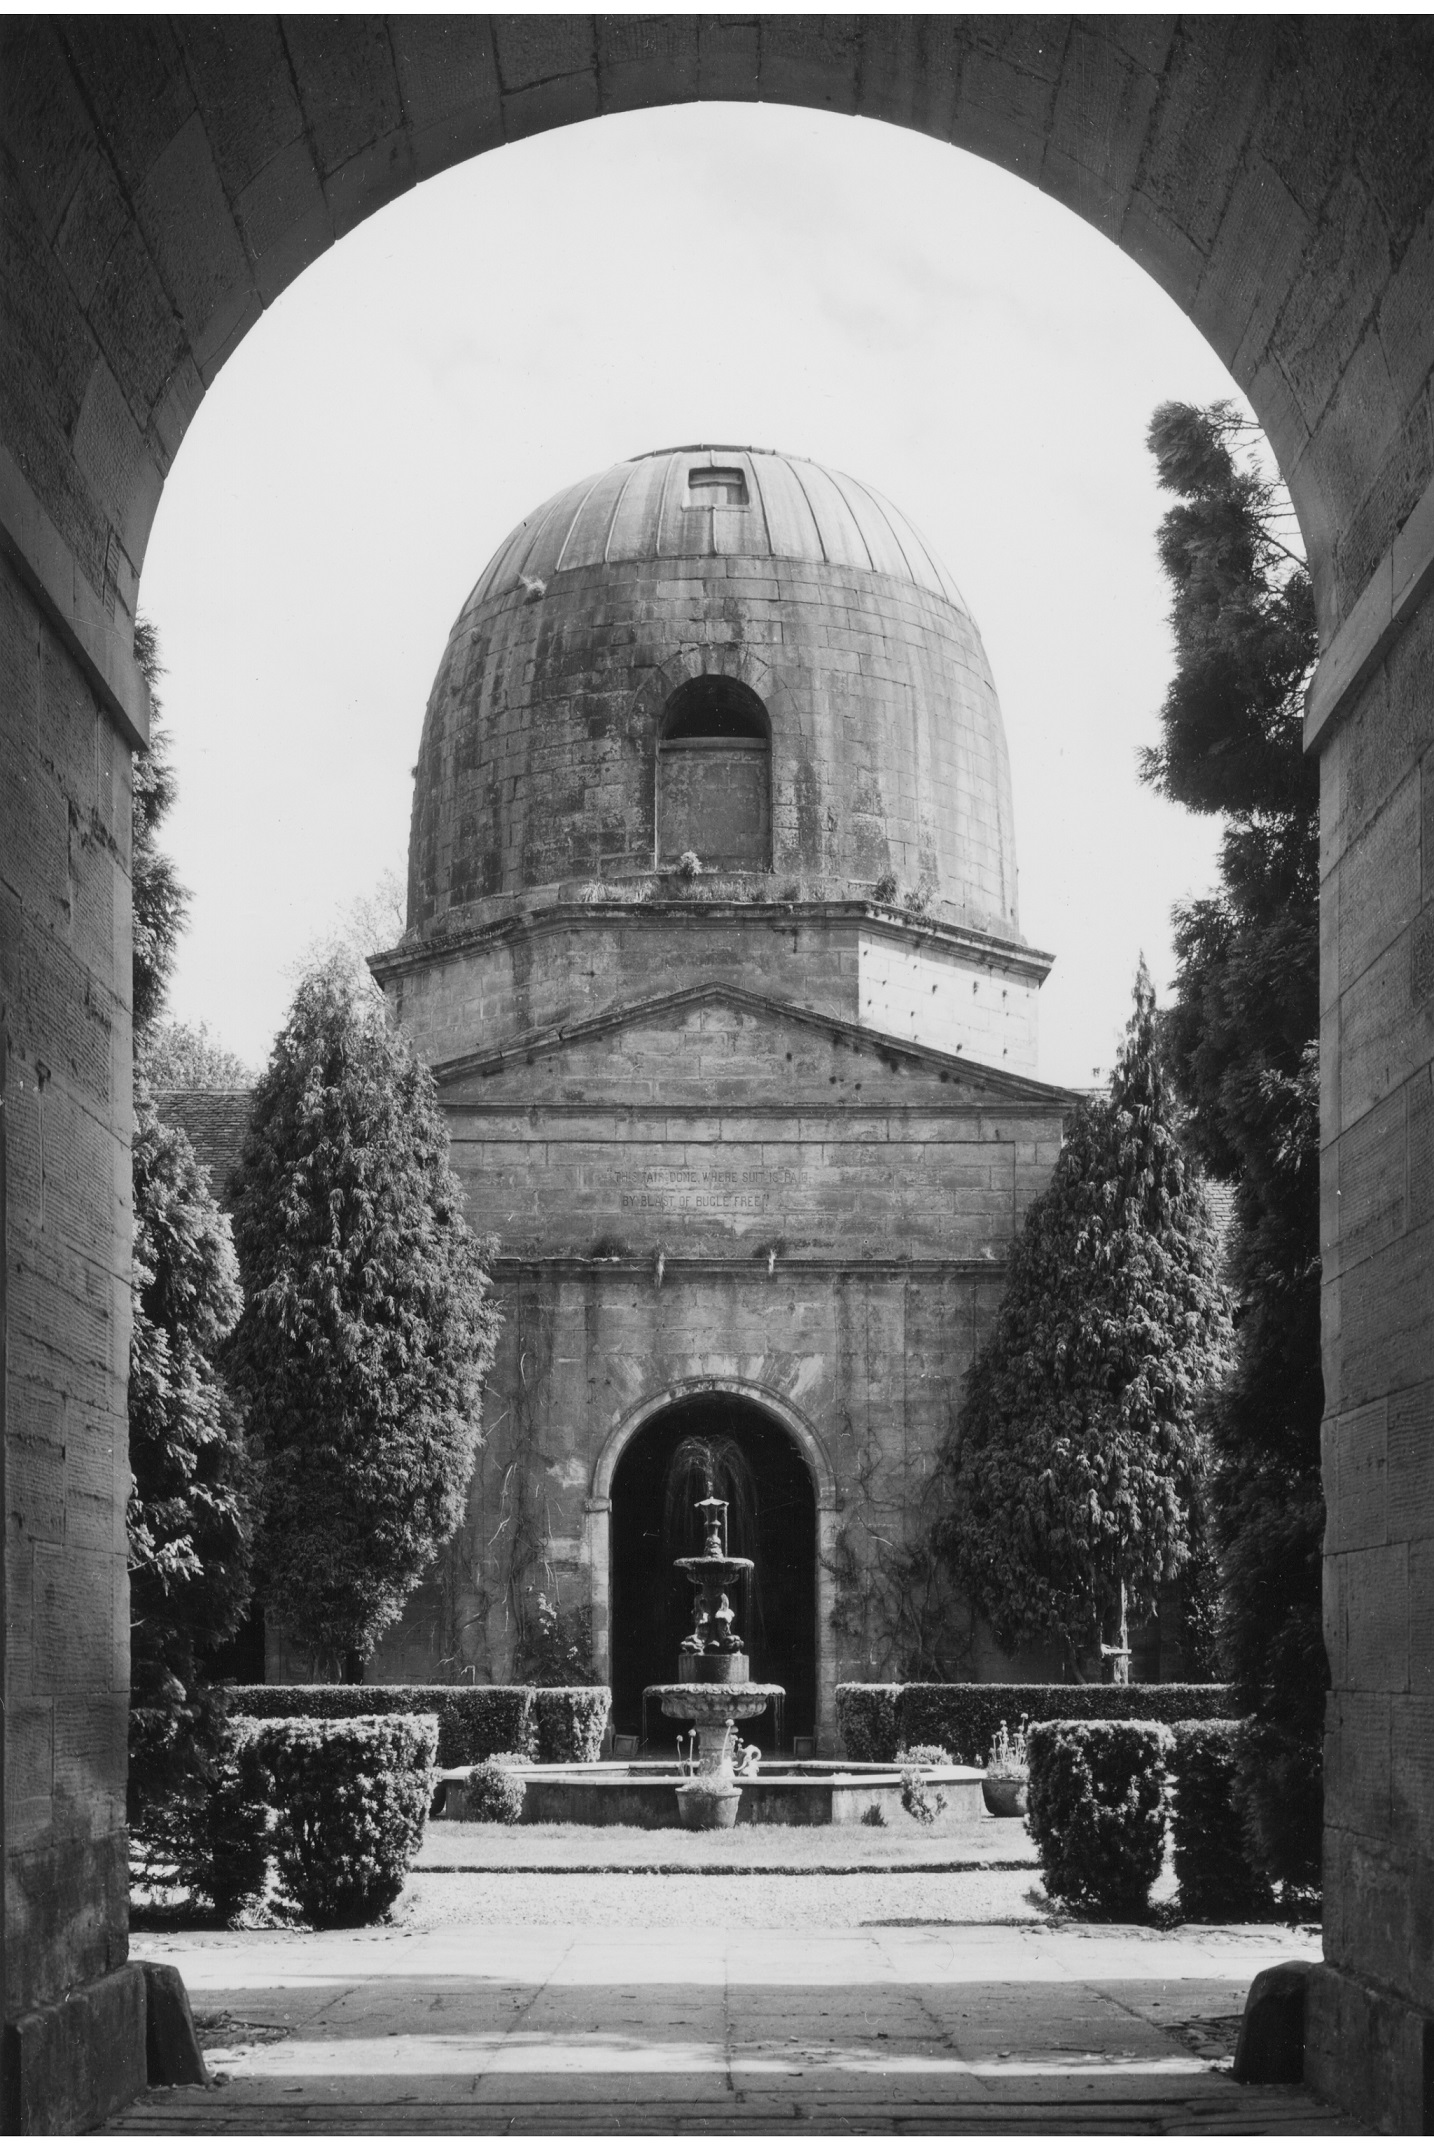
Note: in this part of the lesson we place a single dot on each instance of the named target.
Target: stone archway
(773, 1522)
(807, 1443)
(163, 182)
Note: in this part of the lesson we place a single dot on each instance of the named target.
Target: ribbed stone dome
(720, 651)
(645, 510)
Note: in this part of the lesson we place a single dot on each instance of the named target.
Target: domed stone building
(713, 946)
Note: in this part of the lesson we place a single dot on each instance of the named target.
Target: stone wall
(64, 1005)
(731, 1193)
(1377, 993)
(538, 760)
(555, 961)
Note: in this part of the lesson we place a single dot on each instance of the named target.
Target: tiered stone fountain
(714, 1691)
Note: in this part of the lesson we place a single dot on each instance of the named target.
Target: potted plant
(1008, 1773)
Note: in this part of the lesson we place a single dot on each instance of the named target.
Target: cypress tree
(1077, 1443)
(1242, 1045)
(367, 1327)
(161, 904)
(191, 1479)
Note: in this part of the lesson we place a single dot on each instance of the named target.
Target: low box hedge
(964, 1717)
(1216, 1879)
(866, 1720)
(351, 1796)
(559, 1725)
(571, 1723)
(1097, 1809)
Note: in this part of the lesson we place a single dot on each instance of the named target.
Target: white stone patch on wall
(987, 1016)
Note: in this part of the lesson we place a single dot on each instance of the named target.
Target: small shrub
(1098, 1810)
(495, 1793)
(866, 1719)
(234, 1854)
(874, 1816)
(1216, 1878)
(689, 866)
(922, 1800)
(884, 890)
(352, 1796)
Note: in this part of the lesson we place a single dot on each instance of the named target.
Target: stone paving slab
(572, 2030)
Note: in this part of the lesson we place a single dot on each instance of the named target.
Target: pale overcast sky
(832, 287)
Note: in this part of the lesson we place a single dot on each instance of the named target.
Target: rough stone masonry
(756, 1124)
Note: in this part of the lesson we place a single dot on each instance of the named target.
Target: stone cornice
(752, 1265)
(523, 1112)
(533, 917)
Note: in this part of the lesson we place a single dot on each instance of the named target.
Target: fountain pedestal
(714, 1693)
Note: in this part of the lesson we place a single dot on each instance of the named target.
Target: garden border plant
(1216, 1876)
(351, 1796)
(1098, 1806)
(494, 1791)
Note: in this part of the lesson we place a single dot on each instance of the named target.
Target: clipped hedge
(866, 1720)
(1098, 1808)
(351, 1797)
(964, 1717)
(571, 1723)
(554, 1724)
(235, 1861)
(1216, 1879)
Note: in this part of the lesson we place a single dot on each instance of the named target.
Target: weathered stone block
(73, 2063)
(1368, 2050)
(1271, 2045)
(172, 2050)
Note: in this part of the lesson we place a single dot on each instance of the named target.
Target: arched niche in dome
(714, 775)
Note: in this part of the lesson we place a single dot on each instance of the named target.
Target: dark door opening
(776, 1528)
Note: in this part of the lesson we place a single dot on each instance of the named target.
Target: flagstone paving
(561, 2028)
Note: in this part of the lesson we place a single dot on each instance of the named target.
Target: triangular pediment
(718, 1042)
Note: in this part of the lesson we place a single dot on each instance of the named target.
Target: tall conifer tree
(191, 1479)
(1077, 1441)
(1242, 1043)
(367, 1328)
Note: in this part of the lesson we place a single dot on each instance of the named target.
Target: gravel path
(773, 1900)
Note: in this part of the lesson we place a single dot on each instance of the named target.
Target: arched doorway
(772, 1521)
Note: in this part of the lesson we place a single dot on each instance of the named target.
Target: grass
(765, 1847)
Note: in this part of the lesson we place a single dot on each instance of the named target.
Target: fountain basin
(639, 1795)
